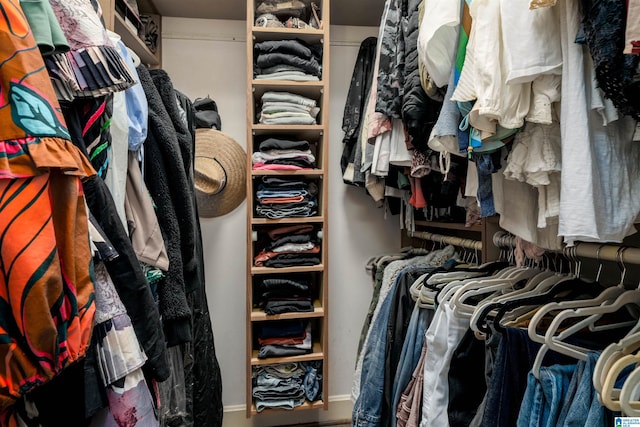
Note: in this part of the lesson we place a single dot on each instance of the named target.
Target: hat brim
(211, 143)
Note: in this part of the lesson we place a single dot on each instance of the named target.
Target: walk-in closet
(313, 213)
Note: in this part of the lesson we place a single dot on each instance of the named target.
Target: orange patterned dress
(46, 278)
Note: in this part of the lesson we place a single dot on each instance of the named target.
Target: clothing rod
(626, 255)
(504, 240)
(449, 240)
(607, 252)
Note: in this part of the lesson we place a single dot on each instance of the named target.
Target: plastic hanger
(607, 294)
(458, 272)
(628, 344)
(629, 405)
(593, 313)
(490, 270)
(610, 396)
(567, 288)
(489, 306)
(610, 354)
(450, 289)
(414, 289)
(555, 341)
(488, 287)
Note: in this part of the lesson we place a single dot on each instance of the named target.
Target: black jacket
(419, 112)
(356, 103)
(167, 183)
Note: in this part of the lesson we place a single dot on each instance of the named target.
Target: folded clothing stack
(283, 338)
(285, 108)
(286, 385)
(288, 14)
(289, 246)
(288, 60)
(283, 154)
(286, 198)
(276, 296)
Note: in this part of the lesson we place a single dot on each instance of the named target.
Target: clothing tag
(636, 135)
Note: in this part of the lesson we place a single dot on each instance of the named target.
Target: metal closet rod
(448, 240)
(599, 251)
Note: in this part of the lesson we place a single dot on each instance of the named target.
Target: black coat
(419, 112)
(203, 379)
(168, 186)
(356, 103)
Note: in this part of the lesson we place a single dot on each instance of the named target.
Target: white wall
(208, 57)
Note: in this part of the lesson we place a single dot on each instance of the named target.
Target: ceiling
(343, 12)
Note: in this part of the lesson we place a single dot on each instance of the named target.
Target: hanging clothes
(162, 148)
(92, 66)
(355, 110)
(45, 247)
(202, 374)
(591, 207)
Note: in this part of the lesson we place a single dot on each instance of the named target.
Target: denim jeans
(487, 164)
(368, 406)
(505, 390)
(261, 405)
(311, 382)
(544, 397)
(411, 351)
(581, 405)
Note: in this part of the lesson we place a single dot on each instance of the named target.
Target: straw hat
(219, 172)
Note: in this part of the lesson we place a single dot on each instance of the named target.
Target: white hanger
(628, 344)
(629, 406)
(447, 276)
(415, 290)
(610, 354)
(449, 289)
(591, 315)
(530, 288)
(608, 295)
(610, 396)
(484, 286)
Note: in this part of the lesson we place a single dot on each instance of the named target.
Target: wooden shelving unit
(317, 135)
(122, 25)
